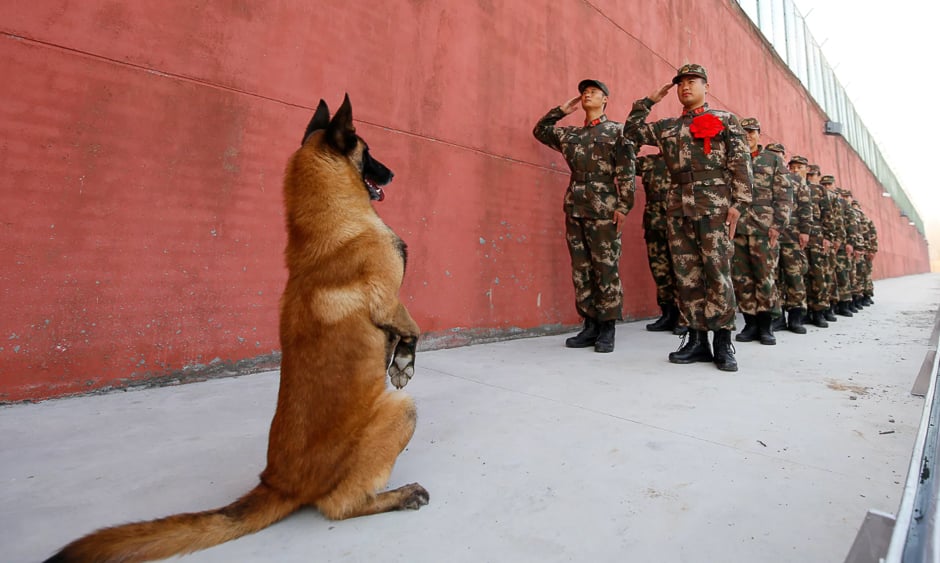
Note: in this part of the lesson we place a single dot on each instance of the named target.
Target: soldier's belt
(591, 177)
(693, 176)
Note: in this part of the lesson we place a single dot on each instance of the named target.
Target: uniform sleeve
(545, 130)
(636, 129)
(783, 205)
(804, 210)
(825, 216)
(838, 219)
(873, 233)
(625, 174)
(739, 166)
(851, 225)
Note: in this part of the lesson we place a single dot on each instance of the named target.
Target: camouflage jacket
(656, 182)
(801, 221)
(703, 184)
(602, 165)
(819, 202)
(861, 241)
(773, 202)
(851, 223)
(872, 236)
(836, 224)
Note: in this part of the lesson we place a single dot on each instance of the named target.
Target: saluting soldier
(791, 289)
(710, 166)
(652, 169)
(599, 196)
(817, 296)
(756, 240)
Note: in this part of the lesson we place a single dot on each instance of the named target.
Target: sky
(883, 53)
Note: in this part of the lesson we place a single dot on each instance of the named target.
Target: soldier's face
(593, 98)
(691, 91)
(798, 168)
(813, 177)
(753, 138)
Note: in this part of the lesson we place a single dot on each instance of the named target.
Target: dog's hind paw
(400, 375)
(414, 497)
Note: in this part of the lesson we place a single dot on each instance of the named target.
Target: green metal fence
(785, 29)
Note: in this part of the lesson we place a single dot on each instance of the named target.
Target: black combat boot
(857, 301)
(780, 323)
(851, 305)
(680, 330)
(830, 313)
(666, 322)
(843, 309)
(724, 351)
(795, 320)
(587, 336)
(605, 337)
(818, 319)
(749, 332)
(867, 300)
(694, 349)
(764, 331)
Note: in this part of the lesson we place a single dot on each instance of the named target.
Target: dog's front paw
(415, 496)
(401, 371)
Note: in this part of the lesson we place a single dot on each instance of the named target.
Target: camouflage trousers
(817, 292)
(660, 260)
(844, 269)
(753, 273)
(832, 283)
(791, 289)
(701, 259)
(594, 247)
(865, 267)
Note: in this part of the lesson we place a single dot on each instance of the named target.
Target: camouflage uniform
(845, 266)
(869, 289)
(817, 296)
(754, 259)
(836, 231)
(656, 183)
(705, 185)
(861, 252)
(793, 263)
(597, 157)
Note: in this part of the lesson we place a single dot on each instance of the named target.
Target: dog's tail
(181, 533)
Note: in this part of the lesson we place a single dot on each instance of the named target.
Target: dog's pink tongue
(381, 193)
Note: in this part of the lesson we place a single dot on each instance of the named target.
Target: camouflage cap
(776, 147)
(691, 69)
(844, 192)
(827, 179)
(813, 169)
(591, 82)
(797, 159)
(750, 124)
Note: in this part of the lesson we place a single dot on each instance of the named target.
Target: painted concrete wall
(142, 148)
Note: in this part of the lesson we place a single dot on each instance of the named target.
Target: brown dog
(337, 430)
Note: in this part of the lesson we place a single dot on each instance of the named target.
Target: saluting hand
(732, 221)
(659, 94)
(571, 105)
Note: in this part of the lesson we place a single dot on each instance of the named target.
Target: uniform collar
(695, 112)
(596, 121)
(760, 148)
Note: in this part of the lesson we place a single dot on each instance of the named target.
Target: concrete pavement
(530, 451)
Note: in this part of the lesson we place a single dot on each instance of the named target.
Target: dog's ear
(341, 133)
(320, 120)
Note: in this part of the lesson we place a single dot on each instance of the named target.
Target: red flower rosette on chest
(706, 126)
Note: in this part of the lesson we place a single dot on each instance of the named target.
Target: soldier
(756, 247)
(836, 230)
(707, 157)
(652, 169)
(844, 254)
(817, 296)
(853, 232)
(869, 290)
(791, 289)
(861, 252)
(600, 194)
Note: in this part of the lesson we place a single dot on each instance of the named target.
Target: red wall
(142, 147)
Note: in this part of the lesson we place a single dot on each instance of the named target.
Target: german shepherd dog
(337, 429)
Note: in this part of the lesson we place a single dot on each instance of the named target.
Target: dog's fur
(337, 430)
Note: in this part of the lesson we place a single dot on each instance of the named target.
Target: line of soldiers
(803, 250)
(727, 224)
